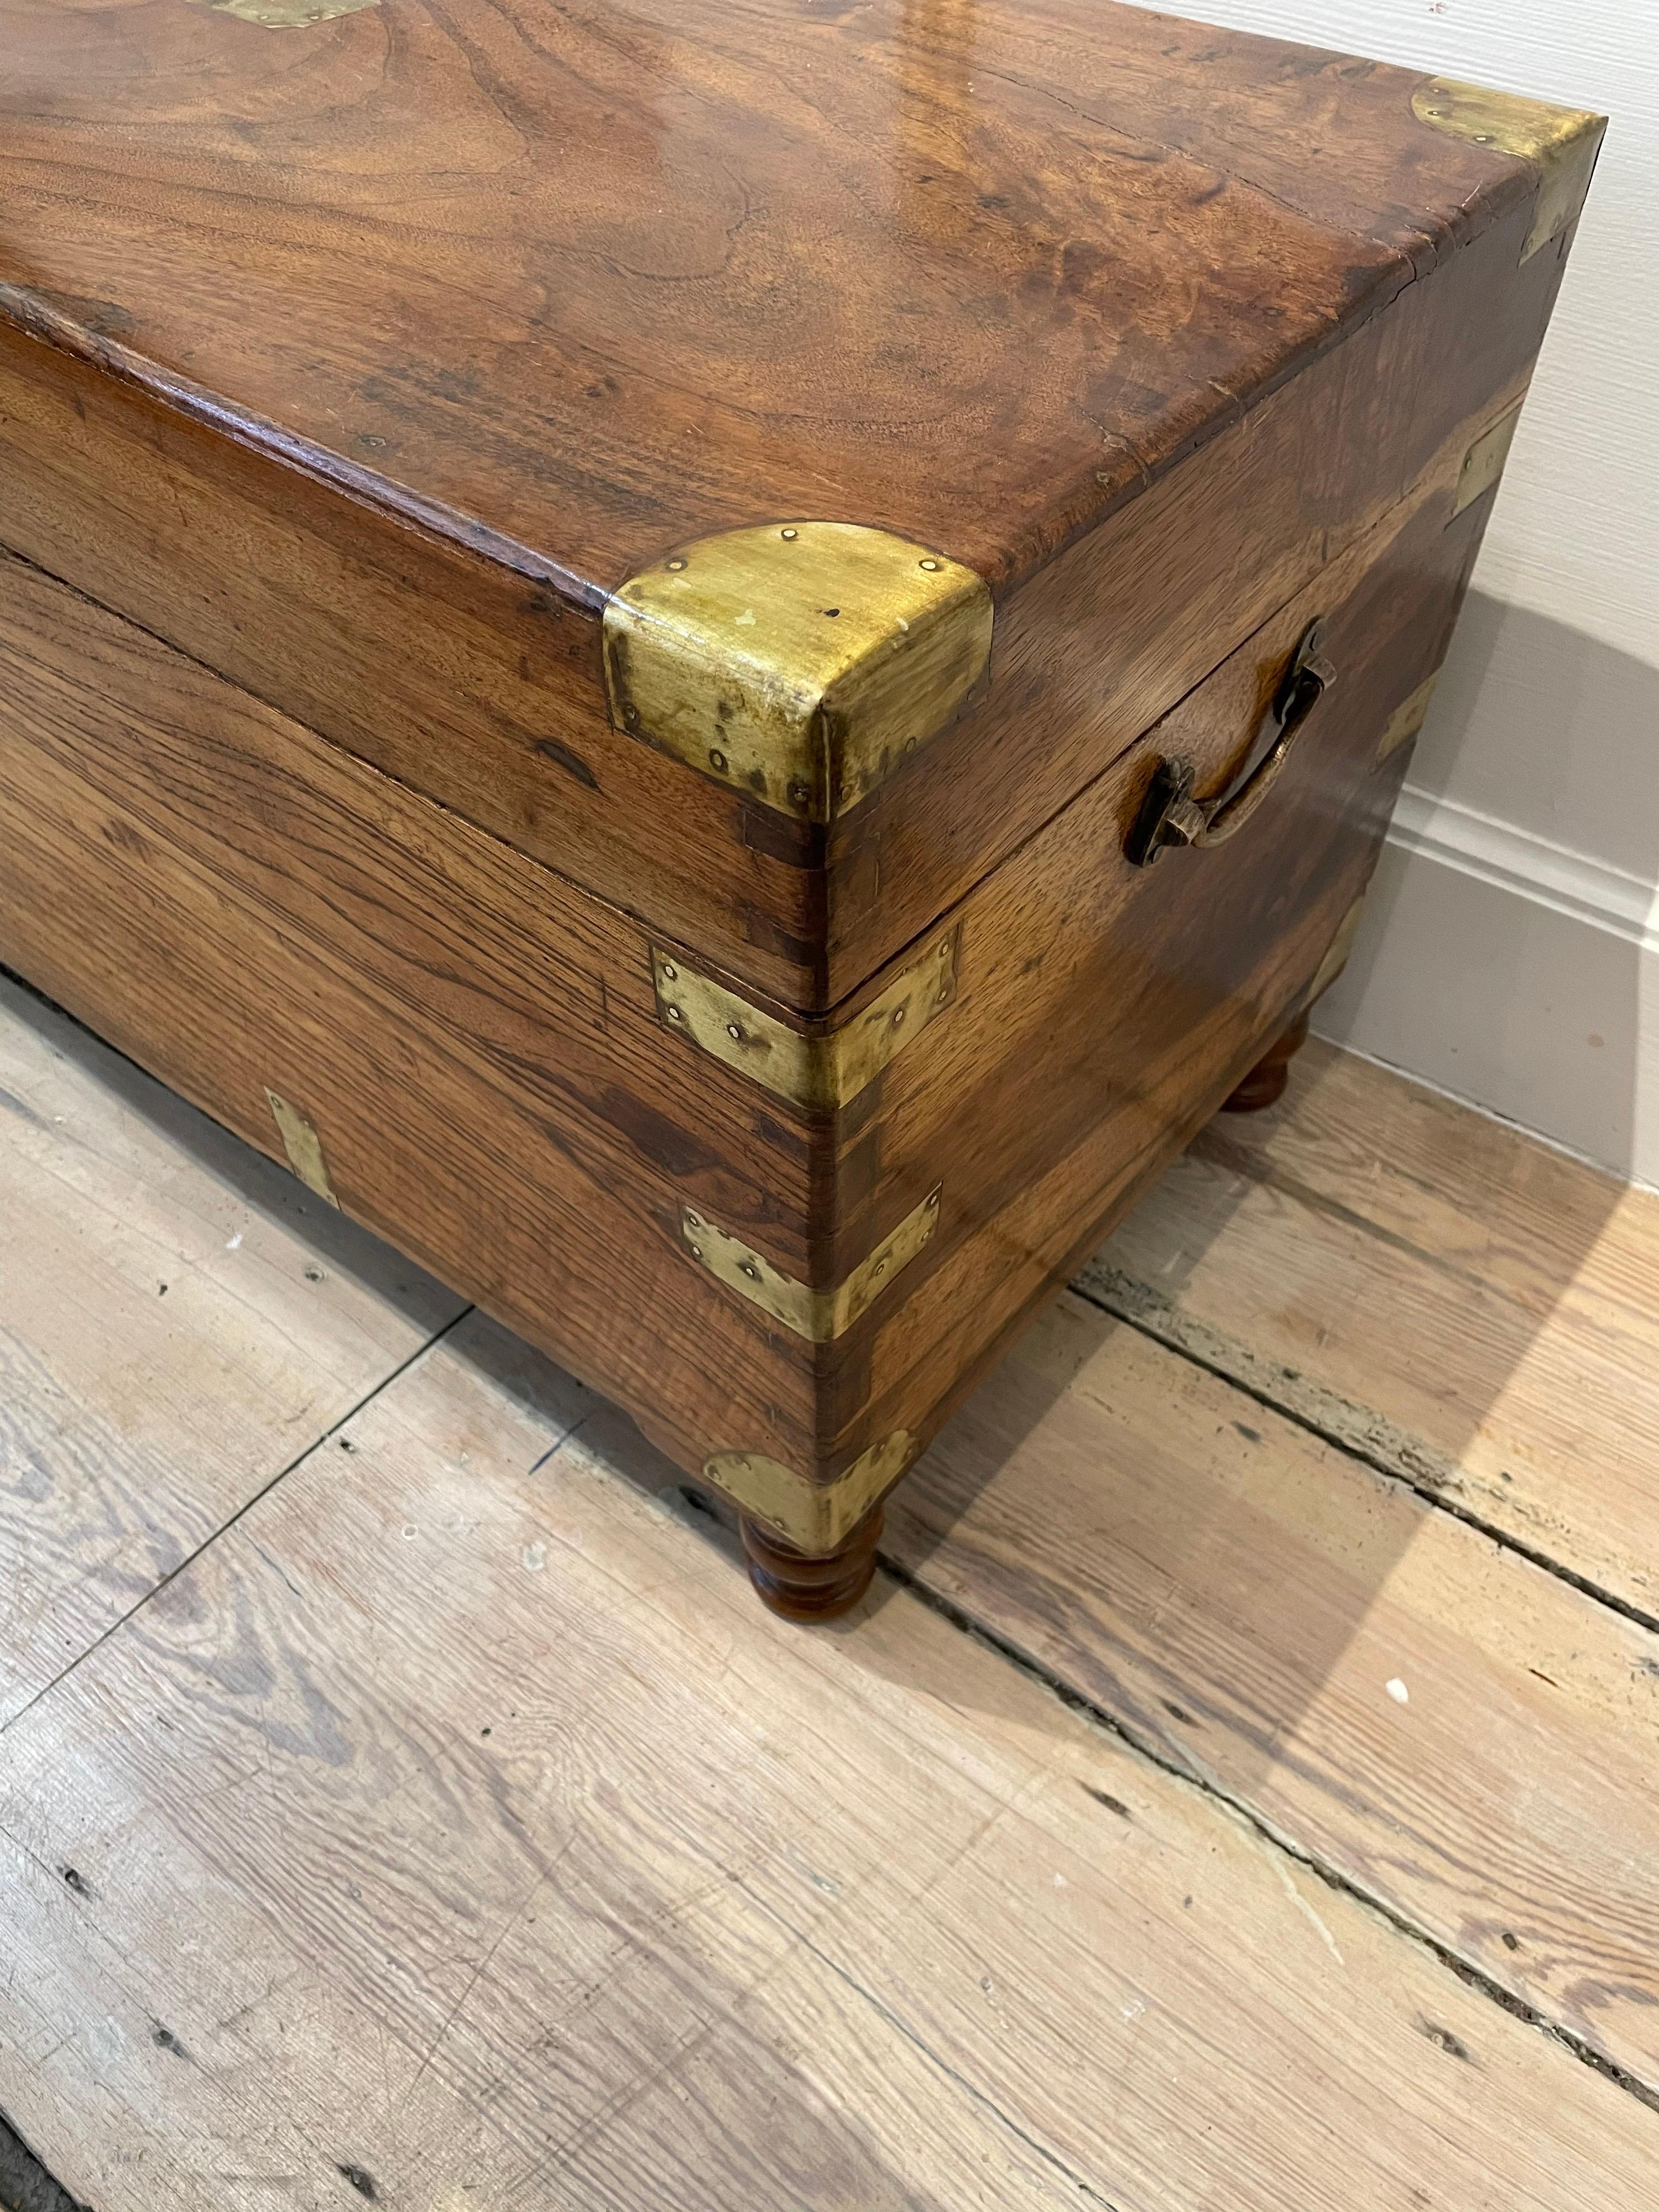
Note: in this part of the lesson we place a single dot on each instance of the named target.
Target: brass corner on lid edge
(799, 663)
(1561, 143)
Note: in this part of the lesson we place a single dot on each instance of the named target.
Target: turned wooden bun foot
(811, 1589)
(1266, 1081)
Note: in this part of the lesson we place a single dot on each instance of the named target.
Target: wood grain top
(575, 282)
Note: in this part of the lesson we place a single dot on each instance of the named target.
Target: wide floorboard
(1201, 1814)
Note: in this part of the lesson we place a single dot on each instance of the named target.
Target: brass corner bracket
(814, 1517)
(303, 1146)
(799, 662)
(1483, 464)
(819, 1315)
(1561, 143)
(824, 1066)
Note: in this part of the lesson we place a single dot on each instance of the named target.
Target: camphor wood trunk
(725, 667)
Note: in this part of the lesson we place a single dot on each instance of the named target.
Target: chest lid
(569, 290)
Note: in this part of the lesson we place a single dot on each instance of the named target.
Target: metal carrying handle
(1170, 815)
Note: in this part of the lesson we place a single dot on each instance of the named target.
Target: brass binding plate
(303, 1146)
(286, 14)
(814, 1517)
(1483, 464)
(825, 1066)
(819, 1315)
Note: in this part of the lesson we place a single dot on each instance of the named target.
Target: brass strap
(819, 1315)
(822, 1066)
(816, 1517)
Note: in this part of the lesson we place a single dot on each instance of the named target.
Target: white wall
(1510, 948)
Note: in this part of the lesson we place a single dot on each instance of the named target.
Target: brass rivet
(932, 564)
(789, 533)
(749, 1269)
(696, 1251)
(674, 1014)
(670, 973)
(881, 1266)
(734, 1032)
(717, 759)
(631, 717)
(693, 1220)
(677, 562)
(943, 992)
(933, 1198)
(898, 1016)
(800, 793)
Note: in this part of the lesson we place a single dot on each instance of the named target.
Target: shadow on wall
(1509, 952)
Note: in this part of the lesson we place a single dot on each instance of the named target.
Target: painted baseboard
(1531, 867)
(1515, 974)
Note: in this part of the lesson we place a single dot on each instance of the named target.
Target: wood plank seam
(303, 1452)
(1322, 1412)
(282, 1474)
(1272, 1837)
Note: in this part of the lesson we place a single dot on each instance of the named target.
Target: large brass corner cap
(799, 662)
(1561, 143)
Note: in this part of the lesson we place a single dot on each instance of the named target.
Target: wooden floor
(1237, 1795)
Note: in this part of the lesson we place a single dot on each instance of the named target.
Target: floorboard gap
(1473, 1977)
(25, 2184)
(1152, 1317)
(244, 1508)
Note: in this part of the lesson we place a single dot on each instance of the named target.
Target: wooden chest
(727, 662)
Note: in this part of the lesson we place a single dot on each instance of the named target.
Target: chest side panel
(1105, 1008)
(455, 1047)
(1092, 650)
